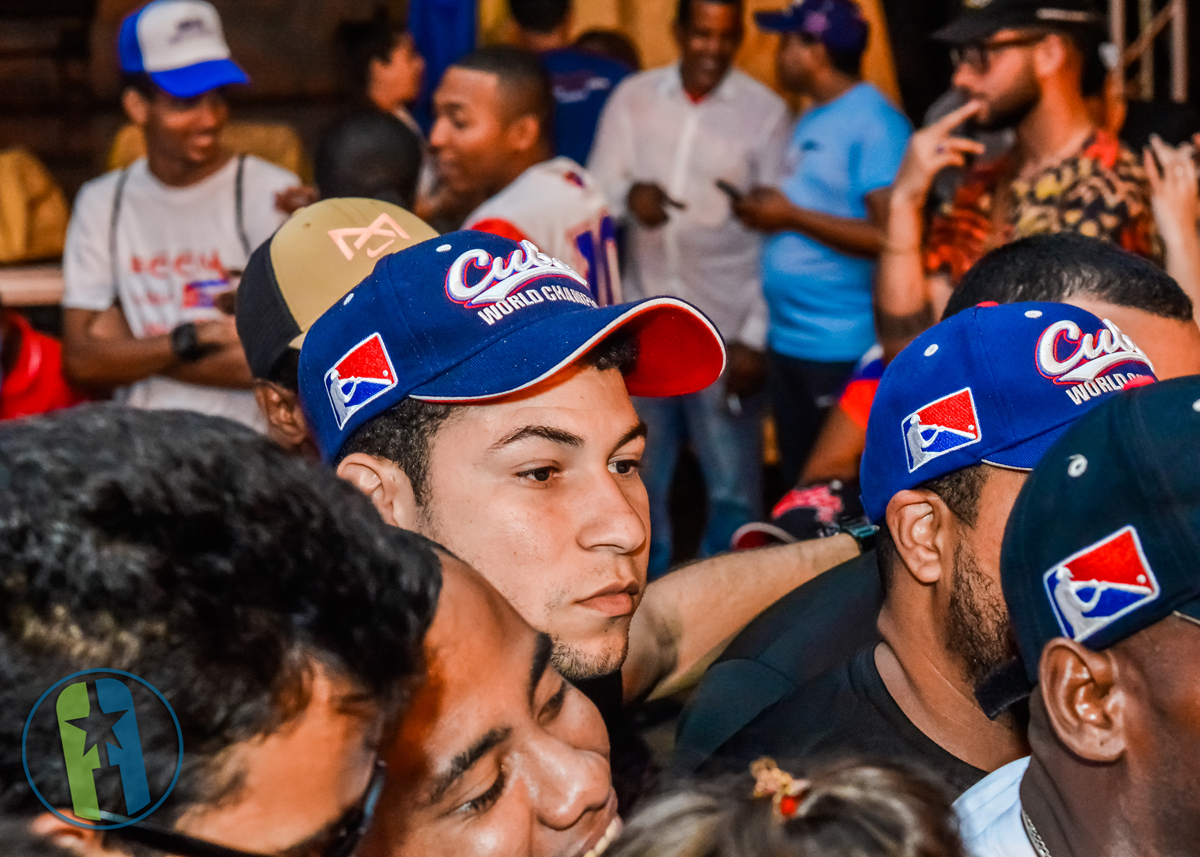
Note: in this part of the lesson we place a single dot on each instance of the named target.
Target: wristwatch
(864, 533)
(185, 342)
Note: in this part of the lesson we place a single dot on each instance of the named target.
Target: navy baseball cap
(980, 19)
(838, 24)
(180, 44)
(993, 385)
(469, 317)
(1104, 537)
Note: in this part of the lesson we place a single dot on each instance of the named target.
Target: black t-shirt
(811, 629)
(632, 763)
(845, 711)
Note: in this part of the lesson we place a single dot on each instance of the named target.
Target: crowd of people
(379, 510)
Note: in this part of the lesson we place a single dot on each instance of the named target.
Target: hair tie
(785, 791)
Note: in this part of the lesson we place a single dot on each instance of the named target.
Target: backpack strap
(118, 195)
(238, 197)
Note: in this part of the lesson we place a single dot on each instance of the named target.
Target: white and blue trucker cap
(180, 45)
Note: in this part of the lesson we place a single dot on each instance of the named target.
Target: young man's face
(1001, 75)
(541, 492)
(470, 134)
(498, 754)
(183, 130)
(795, 61)
(397, 81)
(708, 44)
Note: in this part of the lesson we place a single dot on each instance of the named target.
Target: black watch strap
(862, 531)
(185, 342)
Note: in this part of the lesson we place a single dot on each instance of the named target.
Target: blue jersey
(820, 299)
(582, 83)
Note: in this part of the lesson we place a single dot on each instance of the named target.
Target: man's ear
(136, 107)
(921, 524)
(1050, 55)
(1083, 700)
(386, 484)
(280, 406)
(71, 837)
(524, 132)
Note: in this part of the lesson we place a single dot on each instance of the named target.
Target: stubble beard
(978, 625)
(578, 664)
(1013, 107)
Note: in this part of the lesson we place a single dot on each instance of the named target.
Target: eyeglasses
(978, 55)
(347, 832)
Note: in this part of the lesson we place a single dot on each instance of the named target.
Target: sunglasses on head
(344, 838)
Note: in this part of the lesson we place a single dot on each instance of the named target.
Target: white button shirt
(989, 814)
(651, 131)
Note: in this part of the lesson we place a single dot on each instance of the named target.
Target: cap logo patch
(1068, 356)
(501, 277)
(364, 373)
(942, 426)
(1101, 583)
(190, 27)
(382, 227)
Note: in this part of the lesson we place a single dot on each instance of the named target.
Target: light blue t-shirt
(820, 299)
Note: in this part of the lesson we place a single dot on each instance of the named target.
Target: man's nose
(612, 516)
(569, 784)
(437, 134)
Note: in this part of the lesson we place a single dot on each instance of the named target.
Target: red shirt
(35, 384)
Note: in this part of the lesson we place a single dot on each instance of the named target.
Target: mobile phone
(729, 190)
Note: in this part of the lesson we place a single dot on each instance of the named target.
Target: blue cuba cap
(991, 385)
(837, 24)
(470, 317)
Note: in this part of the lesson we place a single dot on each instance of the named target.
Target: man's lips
(612, 600)
(605, 832)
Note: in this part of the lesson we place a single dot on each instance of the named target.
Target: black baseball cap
(323, 251)
(981, 18)
(1104, 538)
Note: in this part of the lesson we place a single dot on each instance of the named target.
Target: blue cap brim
(1026, 454)
(679, 352)
(777, 22)
(198, 79)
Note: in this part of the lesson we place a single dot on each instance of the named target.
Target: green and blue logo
(98, 730)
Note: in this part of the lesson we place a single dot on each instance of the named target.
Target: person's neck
(832, 86)
(929, 685)
(517, 165)
(542, 42)
(1084, 811)
(180, 173)
(377, 94)
(1054, 130)
(694, 90)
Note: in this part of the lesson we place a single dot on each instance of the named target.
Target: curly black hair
(191, 552)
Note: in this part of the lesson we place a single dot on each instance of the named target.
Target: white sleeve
(262, 181)
(611, 161)
(772, 147)
(87, 263)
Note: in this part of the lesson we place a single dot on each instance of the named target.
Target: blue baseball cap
(180, 44)
(1103, 539)
(469, 317)
(837, 24)
(991, 385)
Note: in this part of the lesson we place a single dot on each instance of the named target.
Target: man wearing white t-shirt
(153, 248)
(491, 140)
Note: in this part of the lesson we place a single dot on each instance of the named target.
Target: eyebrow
(550, 433)
(464, 761)
(637, 431)
(542, 650)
